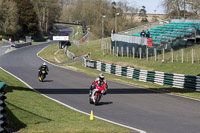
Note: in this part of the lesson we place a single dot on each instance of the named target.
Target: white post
(133, 52)
(155, 54)
(163, 54)
(172, 52)
(122, 51)
(127, 52)
(117, 51)
(192, 56)
(182, 55)
(113, 50)
(147, 52)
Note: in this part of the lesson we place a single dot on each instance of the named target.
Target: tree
(143, 15)
(90, 12)
(8, 17)
(48, 11)
(27, 18)
(182, 8)
(194, 6)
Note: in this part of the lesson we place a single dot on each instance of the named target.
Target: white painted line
(56, 59)
(141, 131)
(56, 52)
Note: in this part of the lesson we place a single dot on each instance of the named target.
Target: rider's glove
(92, 86)
(103, 92)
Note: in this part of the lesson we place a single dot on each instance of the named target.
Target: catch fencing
(161, 78)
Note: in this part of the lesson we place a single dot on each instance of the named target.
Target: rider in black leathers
(43, 67)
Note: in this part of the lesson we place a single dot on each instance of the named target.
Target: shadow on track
(104, 103)
(47, 80)
(86, 91)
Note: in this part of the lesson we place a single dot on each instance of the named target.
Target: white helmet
(101, 76)
(44, 63)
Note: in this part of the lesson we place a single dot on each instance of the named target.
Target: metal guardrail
(186, 20)
(161, 78)
(5, 41)
(19, 45)
(129, 39)
(70, 54)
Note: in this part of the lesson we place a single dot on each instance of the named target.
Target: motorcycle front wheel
(90, 100)
(97, 99)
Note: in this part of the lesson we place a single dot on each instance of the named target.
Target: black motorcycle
(42, 75)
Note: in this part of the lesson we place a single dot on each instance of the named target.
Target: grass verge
(53, 54)
(29, 112)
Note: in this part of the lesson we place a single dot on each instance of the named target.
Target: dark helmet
(101, 77)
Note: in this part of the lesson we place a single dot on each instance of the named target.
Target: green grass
(29, 112)
(52, 52)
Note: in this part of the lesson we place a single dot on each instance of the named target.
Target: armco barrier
(5, 41)
(70, 54)
(2, 106)
(19, 45)
(161, 78)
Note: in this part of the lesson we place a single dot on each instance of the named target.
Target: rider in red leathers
(100, 81)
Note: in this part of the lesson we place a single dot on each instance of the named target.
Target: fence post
(192, 56)
(110, 49)
(133, 52)
(106, 45)
(163, 54)
(113, 50)
(172, 52)
(147, 52)
(182, 55)
(155, 54)
(122, 51)
(117, 51)
(127, 50)
(140, 53)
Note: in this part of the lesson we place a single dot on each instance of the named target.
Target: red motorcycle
(97, 94)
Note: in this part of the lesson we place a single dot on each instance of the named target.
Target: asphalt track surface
(140, 108)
